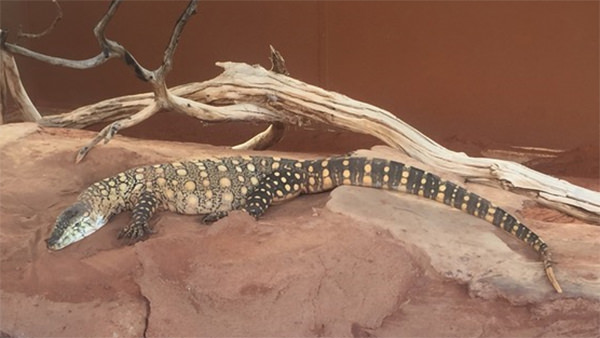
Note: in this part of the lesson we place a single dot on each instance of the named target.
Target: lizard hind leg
(143, 210)
(278, 186)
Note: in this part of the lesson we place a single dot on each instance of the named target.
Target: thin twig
(112, 48)
(111, 130)
(57, 18)
(172, 46)
(103, 23)
(56, 61)
(277, 62)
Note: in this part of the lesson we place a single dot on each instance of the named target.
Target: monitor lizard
(214, 186)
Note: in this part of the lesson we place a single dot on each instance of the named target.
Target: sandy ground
(355, 262)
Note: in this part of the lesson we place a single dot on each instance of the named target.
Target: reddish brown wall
(523, 73)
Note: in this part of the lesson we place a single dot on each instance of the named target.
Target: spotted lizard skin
(214, 186)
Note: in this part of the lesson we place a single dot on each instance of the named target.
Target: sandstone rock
(356, 262)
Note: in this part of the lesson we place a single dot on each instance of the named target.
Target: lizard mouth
(73, 225)
(64, 236)
(53, 243)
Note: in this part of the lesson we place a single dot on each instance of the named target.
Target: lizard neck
(110, 196)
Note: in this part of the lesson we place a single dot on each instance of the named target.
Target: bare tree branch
(57, 61)
(111, 49)
(103, 23)
(157, 78)
(172, 46)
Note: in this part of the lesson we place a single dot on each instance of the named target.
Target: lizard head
(74, 224)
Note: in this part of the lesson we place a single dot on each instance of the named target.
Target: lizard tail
(327, 174)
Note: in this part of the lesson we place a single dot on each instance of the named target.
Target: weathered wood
(10, 81)
(264, 139)
(252, 93)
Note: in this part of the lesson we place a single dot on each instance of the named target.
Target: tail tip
(552, 279)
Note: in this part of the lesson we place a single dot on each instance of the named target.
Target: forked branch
(157, 77)
(108, 49)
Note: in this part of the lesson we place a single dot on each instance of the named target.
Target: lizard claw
(135, 232)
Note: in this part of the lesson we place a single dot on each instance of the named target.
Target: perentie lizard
(215, 186)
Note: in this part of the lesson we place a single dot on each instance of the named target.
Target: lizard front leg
(142, 212)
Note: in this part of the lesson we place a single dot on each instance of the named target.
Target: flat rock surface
(354, 262)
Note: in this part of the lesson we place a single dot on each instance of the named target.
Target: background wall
(521, 73)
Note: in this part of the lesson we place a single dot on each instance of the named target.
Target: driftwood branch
(10, 81)
(265, 139)
(274, 132)
(271, 97)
